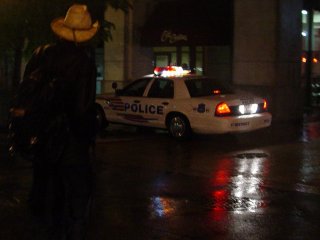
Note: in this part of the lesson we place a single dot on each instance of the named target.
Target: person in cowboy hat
(67, 178)
(76, 26)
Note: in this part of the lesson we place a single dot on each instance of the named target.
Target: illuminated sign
(168, 36)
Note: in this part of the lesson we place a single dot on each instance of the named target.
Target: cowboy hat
(76, 26)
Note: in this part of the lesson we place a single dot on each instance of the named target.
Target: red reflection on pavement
(219, 211)
(237, 185)
(311, 131)
(220, 195)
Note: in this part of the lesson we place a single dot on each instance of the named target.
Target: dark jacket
(74, 69)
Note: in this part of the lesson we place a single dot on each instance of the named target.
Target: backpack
(31, 126)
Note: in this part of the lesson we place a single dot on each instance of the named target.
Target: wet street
(261, 185)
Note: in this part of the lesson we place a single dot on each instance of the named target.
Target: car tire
(101, 121)
(179, 127)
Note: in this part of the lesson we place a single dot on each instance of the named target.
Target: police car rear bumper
(244, 123)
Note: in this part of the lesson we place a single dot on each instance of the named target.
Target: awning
(311, 4)
(183, 22)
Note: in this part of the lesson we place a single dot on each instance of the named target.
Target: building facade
(255, 45)
(268, 47)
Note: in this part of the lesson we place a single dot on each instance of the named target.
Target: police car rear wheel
(179, 127)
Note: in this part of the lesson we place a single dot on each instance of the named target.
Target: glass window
(161, 88)
(164, 49)
(162, 60)
(99, 58)
(135, 89)
(165, 56)
(199, 60)
(316, 30)
(206, 86)
(189, 57)
(314, 41)
(304, 31)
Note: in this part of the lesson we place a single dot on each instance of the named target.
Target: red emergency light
(170, 71)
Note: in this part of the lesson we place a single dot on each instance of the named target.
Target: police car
(184, 103)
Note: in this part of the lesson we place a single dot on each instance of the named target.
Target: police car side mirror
(114, 85)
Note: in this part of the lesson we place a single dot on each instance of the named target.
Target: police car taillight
(265, 105)
(216, 91)
(222, 109)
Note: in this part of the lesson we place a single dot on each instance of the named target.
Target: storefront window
(316, 31)
(199, 61)
(311, 53)
(99, 58)
(313, 44)
(185, 56)
(304, 31)
(164, 56)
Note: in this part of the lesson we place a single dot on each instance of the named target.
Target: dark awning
(183, 22)
(311, 4)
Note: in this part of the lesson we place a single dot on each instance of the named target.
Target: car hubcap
(99, 119)
(177, 127)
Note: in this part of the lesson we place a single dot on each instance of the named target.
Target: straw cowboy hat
(76, 26)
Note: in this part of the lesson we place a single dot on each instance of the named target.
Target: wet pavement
(264, 185)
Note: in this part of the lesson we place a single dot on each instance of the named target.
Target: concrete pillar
(141, 56)
(267, 47)
(114, 51)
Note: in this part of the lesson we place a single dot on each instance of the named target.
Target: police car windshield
(200, 87)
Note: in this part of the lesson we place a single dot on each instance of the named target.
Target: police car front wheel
(101, 121)
(179, 127)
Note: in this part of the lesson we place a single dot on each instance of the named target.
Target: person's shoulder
(43, 48)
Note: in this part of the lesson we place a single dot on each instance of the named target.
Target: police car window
(161, 88)
(136, 89)
(206, 87)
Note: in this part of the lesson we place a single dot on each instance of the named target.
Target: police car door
(130, 110)
(157, 103)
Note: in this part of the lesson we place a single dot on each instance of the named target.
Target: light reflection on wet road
(150, 187)
(209, 188)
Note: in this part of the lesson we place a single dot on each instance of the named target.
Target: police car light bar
(170, 71)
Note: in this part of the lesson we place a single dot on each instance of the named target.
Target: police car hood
(234, 99)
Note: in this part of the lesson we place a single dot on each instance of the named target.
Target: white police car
(184, 104)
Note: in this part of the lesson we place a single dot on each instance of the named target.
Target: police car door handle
(136, 101)
(165, 103)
